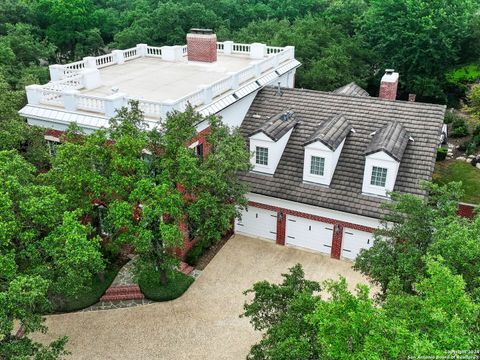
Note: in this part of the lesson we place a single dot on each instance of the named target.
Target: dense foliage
(337, 41)
(429, 300)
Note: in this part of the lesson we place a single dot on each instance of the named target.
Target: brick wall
(202, 47)
(337, 231)
(466, 210)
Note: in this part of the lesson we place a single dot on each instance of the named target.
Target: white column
(34, 94)
(258, 51)
(227, 47)
(91, 78)
(90, 62)
(113, 103)
(172, 53)
(142, 50)
(207, 94)
(118, 57)
(56, 72)
(69, 99)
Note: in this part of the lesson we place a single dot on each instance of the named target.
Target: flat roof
(155, 79)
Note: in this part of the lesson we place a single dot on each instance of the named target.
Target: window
(317, 165)
(379, 176)
(52, 147)
(261, 155)
(199, 151)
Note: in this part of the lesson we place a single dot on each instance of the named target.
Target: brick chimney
(202, 45)
(388, 85)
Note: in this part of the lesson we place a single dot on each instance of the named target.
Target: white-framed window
(379, 176)
(317, 165)
(52, 147)
(261, 155)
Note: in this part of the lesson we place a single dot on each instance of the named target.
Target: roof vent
(286, 115)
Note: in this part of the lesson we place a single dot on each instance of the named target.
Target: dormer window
(261, 155)
(382, 160)
(268, 142)
(379, 176)
(323, 149)
(317, 165)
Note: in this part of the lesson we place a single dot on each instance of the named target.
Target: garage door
(353, 241)
(258, 223)
(310, 234)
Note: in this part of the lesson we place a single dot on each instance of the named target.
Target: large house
(323, 163)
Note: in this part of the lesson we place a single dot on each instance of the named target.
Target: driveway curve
(202, 324)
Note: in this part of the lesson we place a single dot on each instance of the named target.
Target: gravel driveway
(202, 324)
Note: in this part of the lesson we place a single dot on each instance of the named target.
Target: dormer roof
(278, 125)
(331, 132)
(351, 89)
(392, 139)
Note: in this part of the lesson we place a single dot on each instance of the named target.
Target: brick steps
(185, 268)
(123, 292)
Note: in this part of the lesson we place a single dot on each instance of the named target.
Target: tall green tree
(420, 39)
(438, 317)
(149, 182)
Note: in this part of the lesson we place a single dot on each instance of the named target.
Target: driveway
(202, 324)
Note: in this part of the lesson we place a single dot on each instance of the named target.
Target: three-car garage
(303, 232)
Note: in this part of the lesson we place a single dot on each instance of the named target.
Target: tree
(299, 324)
(148, 182)
(406, 234)
(45, 254)
(420, 39)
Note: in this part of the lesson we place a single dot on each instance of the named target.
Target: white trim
(314, 210)
(52, 138)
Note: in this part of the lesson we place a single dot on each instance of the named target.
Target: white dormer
(269, 141)
(383, 157)
(323, 149)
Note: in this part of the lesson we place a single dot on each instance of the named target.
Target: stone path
(124, 292)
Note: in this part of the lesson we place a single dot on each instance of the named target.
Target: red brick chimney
(202, 45)
(388, 85)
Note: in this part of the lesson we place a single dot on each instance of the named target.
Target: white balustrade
(75, 66)
(221, 86)
(241, 49)
(266, 64)
(130, 54)
(51, 97)
(90, 103)
(274, 49)
(220, 47)
(104, 60)
(184, 50)
(154, 51)
(195, 99)
(150, 108)
(246, 74)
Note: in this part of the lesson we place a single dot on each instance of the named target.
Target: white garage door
(258, 223)
(355, 240)
(309, 234)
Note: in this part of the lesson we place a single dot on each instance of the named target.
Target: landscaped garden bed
(454, 170)
(177, 284)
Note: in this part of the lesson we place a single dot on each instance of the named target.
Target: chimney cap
(389, 71)
(201, 31)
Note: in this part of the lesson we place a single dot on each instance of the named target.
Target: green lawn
(92, 294)
(452, 170)
(177, 284)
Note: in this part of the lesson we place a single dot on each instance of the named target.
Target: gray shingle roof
(331, 132)
(366, 115)
(278, 125)
(392, 138)
(351, 89)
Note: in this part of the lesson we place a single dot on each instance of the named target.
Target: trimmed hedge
(91, 295)
(149, 282)
(442, 154)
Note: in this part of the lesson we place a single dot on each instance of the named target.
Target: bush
(194, 254)
(442, 154)
(450, 117)
(476, 131)
(459, 128)
(149, 282)
(90, 295)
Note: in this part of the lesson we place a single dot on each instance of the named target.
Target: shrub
(442, 154)
(149, 282)
(476, 131)
(450, 117)
(464, 75)
(459, 128)
(194, 254)
(471, 147)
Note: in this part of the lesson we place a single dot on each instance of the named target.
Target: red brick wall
(466, 210)
(338, 224)
(202, 47)
(388, 90)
